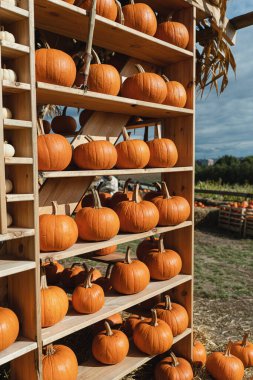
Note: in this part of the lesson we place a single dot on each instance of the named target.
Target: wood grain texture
(19, 348)
(8, 267)
(13, 50)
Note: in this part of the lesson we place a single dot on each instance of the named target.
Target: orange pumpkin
(172, 368)
(244, 351)
(153, 193)
(130, 324)
(88, 200)
(104, 8)
(97, 223)
(105, 282)
(145, 246)
(124, 195)
(80, 277)
(137, 216)
(174, 33)
(106, 251)
(174, 314)
(59, 362)
(176, 94)
(54, 152)
(114, 320)
(140, 17)
(153, 337)
(132, 154)
(199, 354)
(54, 66)
(53, 271)
(57, 232)
(148, 87)
(9, 327)
(69, 274)
(89, 297)
(110, 346)
(172, 210)
(84, 117)
(95, 155)
(63, 124)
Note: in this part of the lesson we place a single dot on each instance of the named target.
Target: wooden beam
(242, 21)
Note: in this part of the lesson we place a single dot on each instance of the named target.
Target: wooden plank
(16, 233)
(16, 124)
(92, 369)
(81, 248)
(15, 87)
(9, 267)
(19, 197)
(21, 347)
(57, 16)
(13, 50)
(18, 160)
(10, 13)
(113, 304)
(47, 93)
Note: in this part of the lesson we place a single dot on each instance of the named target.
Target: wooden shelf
(19, 197)
(113, 304)
(16, 124)
(9, 13)
(13, 50)
(57, 16)
(18, 161)
(71, 97)
(93, 370)
(9, 267)
(92, 173)
(81, 248)
(17, 233)
(21, 347)
(15, 87)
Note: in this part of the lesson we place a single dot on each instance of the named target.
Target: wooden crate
(232, 218)
(248, 226)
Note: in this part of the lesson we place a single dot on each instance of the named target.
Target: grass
(211, 185)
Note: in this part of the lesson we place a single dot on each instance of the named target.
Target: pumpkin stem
(75, 265)
(131, 1)
(120, 17)
(161, 243)
(154, 318)
(43, 278)
(55, 208)
(108, 271)
(140, 67)
(128, 256)
(166, 79)
(136, 195)
(97, 201)
(168, 305)
(175, 362)
(125, 189)
(88, 138)
(87, 282)
(158, 132)
(146, 134)
(165, 191)
(64, 111)
(125, 134)
(96, 57)
(158, 186)
(108, 329)
(85, 267)
(245, 340)
(50, 350)
(228, 349)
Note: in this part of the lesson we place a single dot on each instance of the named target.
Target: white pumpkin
(6, 36)
(9, 220)
(6, 112)
(9, 150)
(7, 74)
(8, 186)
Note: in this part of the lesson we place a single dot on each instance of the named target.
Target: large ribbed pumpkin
(140, 17)
(173, 368)
(64, 124)
(129, 277)
(137, 216)
(95, 155)
(244, 351)
(54, 66)
(104, 8)
(59, 363)
(148, 87)
(172, 210)
(132, 154)
(174, 314)
(173, 32)
(9, 328)
(97, 223)
(57, 232)
(176, 93)
(54, 152)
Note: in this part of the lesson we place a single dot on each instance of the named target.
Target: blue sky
(224, 124)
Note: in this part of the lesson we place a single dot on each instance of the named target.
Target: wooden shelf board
(81, 248)
(48, 93)
(16, 124)
(113, 304)
(18, 160)
(165, 5)
(17, 233)
(19, 197)
(112, 258)
(9, 13)
(21, 347)
(14, 87)
(13, 50)
(57, 16)
(12, 266)
(91, 173)
(92, 369)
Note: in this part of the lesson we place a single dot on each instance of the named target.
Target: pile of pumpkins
(127, 212)
(240, 205)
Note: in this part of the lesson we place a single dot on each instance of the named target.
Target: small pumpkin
(54, 152)
(140, 17)
(150, 195)
(244, 351)
(153, 337)
(129, 277)
(149, 87)
(6, 36)
(174, 314)
(172, 210)
(54, 302)
(97, 223)
(132, 154)
(137, 216)
(163, 264)
(105, 282)
(69, 274)
(224, 366)
(172, 368)
(176, 94)
(84, 117)
(46, 126)
(9, 150)
(53, 271)
(89, 297)
(8, 186)
(122, 195)
(130, 324)
(199, 354)
(57, 232)
(59, 362)
(106, 251)
(9, 328)
(64, 124)
(6, 113)
(9, 220)
(55, 67)
(88, 200)
(104, 8)
(8, 74)
(114, 321)
(145, 246)
(95, 155)
(110, 346)
(80, 277)
(173, 32)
